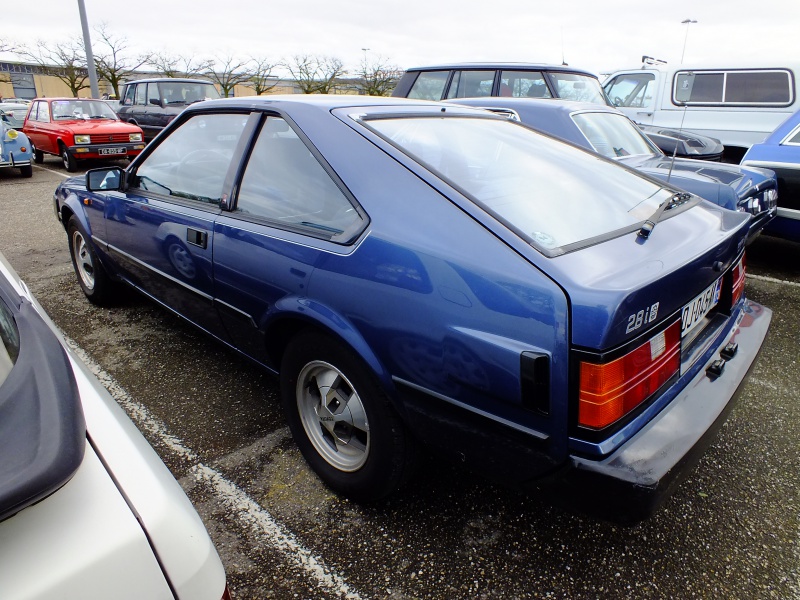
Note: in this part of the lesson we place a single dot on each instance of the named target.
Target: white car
(87, 508)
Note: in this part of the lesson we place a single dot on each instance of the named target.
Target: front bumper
(98, 150)
(630, 484)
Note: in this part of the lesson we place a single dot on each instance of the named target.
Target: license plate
(697, 309)
(112, 151)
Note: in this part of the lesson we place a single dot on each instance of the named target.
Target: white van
(739, 106)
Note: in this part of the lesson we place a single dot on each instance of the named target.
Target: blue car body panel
(440, 299)
(15, 148)
(780, 152)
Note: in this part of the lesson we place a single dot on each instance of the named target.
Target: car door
(160, 228)
(634, 94)
(290, 210)
(37, 126)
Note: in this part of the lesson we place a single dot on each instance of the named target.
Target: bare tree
(64, 60)
(261, 78)
(377, 77)
(316, 75)
(111, 59)
(169, 65)
(230, 73)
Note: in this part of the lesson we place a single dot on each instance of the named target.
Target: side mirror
(104, 179)
(156, 102)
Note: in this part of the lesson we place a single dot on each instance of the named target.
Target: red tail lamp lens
(611, 390)
(738, 279)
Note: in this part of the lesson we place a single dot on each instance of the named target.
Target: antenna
(563, 60)
(675, 148)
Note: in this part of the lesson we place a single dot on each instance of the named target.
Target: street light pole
(686, 22)
(87, 45)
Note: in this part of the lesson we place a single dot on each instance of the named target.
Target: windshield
(614, 135)
(186, 92)
(581, 88)
(550, 193)
(82, 109)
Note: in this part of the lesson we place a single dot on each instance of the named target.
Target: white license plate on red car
(697, 309)
(112, 151)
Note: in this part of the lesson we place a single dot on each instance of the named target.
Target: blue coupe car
(15, 148)
(426, 274)
(781, 153)
(609, 132)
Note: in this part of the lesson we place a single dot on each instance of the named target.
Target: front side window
(550, 193)
(429, 85)
(285, 184)
(632, 89)
(192, 162)
(130, 91)
(44, 112)
(524, 84)
(471, 84)
(153, 98)
(613, 135)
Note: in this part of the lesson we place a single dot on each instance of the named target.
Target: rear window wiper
(671, 202)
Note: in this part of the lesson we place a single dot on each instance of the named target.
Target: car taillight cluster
(611, 390)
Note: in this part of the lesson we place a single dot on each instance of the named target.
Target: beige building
(22, 80)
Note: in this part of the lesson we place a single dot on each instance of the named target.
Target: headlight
(12, 134)
(136, 137)
(83, 139)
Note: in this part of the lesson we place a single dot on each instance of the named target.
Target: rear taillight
(611, 390)
(738, 274)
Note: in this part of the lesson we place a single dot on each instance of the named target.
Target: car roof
(168, 79)
(326, 101)
(517, 66)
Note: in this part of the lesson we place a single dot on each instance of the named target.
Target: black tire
(26, 171)
(70, 164)
(98, 287)
(376, 460)
(38, 155)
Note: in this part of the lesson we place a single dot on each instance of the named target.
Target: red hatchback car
(77, 129)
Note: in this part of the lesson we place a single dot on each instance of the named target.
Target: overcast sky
(599, 36)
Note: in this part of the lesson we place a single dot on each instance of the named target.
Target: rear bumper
(630, 484)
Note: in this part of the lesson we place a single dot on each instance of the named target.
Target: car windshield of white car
(550, 193)
(613, 135)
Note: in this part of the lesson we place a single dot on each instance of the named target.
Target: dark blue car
(607, 131)
(420, 274)
(781, 153)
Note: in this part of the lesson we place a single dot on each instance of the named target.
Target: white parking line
(64, 175)
(246, 510)
(773, 280)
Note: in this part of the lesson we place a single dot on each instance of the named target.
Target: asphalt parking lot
(731, 531)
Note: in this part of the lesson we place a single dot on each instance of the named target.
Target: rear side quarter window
(759, 87)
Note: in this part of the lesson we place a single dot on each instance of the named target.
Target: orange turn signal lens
(611, 390)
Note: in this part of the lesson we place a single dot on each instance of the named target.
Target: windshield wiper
(673, 201)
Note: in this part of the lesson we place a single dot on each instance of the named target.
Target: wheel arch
(301, 315)
(71, 206)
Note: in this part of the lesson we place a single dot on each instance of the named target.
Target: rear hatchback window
(552, 194)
